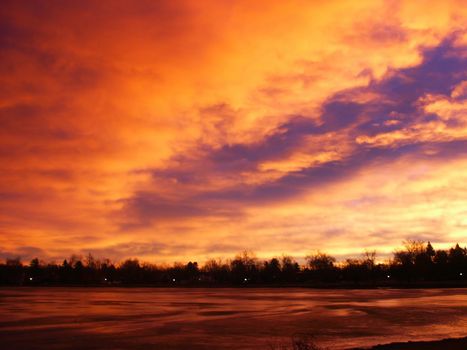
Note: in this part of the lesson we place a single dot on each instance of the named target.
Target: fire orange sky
(176, 130)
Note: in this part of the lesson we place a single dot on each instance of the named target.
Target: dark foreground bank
(307, 343)
(445, 344)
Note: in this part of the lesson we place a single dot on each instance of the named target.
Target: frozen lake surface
(159, 318)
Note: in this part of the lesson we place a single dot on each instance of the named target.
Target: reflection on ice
(224, 318)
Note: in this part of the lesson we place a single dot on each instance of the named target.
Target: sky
(188, 130)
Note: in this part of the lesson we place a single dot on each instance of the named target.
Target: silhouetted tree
(369, 258)
(244, 268)
(441, 257)
(78, 272)
(320, 261)
(130, 271)
(12, 272)
(406, 260)
(34, 271)
(216, 271)
(192, 271)
(289, 269)
(352, 270)
(321, 266)
(430, 251)
(66, 272)
(271, 271)
(13, 262)
(457, 260)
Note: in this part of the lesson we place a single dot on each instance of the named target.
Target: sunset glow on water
(148, 318)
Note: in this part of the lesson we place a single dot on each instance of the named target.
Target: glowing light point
(30, 278)
(173, 279)
(388, 276)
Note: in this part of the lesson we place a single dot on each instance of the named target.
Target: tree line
(416, 262)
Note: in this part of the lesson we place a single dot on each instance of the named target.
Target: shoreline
(361, 286)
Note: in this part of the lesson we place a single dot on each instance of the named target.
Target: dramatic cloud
(185, 130)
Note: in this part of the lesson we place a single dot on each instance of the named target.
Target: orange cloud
(172, 130)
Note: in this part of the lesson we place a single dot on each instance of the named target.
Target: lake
(183, 318)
